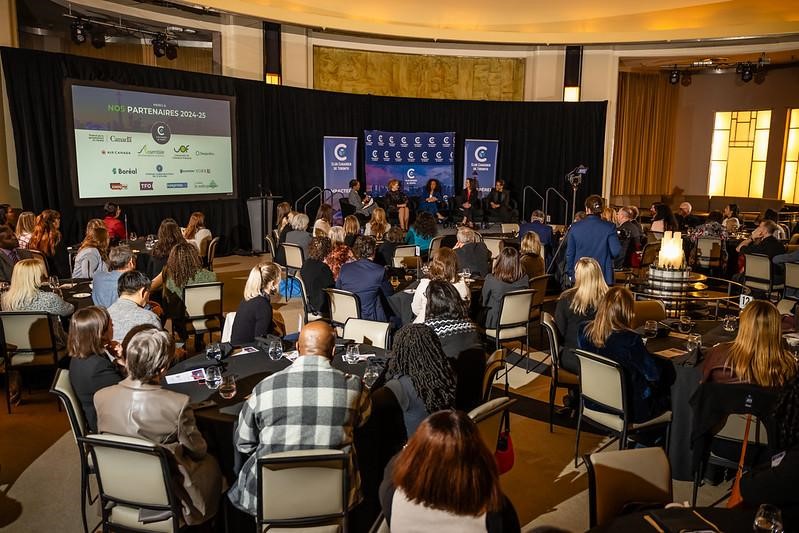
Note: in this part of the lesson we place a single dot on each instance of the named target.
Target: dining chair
(435, 244)
(210, 254)
(509, 228)
(539, 284)
(227, 329)
(343, 306)
(494, 245)
(560, 376)
(368, 332)
(307, 489)
(134, 484)
(759, 274)
(488, 417)
(39, 256)
(644, 310)
(514, 322)
(603, 386)
(792, 281)
(620, 477)
(28, 342)
(494, 365)
(308, 314)
(203, 303)
(708, 252)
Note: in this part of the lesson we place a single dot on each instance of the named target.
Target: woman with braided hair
(419, 375)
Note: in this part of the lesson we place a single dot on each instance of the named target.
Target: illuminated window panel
(789, 170)
(738, 153)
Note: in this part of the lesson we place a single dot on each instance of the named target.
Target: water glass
(466, 273)
(54, 283)
(768, 518)
(694, 342)
(132, 236)
(227, 389)
(352, 355)
(370, 376)
(729, 323)
(214, 351)
(686, 324)
(213, 377)
(651, 329)
(275, 350)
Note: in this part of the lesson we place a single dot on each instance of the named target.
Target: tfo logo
(145, 185)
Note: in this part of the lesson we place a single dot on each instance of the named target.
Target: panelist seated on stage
(433, 200)
(498, 204)
(363, 205)
(305, 406)
(468, 203)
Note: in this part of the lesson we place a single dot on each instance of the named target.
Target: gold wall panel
(418, 76)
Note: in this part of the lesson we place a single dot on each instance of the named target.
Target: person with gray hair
(538, 225)
(684, 217)
(139, 407)
(299, 232)
(104, 284)
(472, 252)
(630, 236)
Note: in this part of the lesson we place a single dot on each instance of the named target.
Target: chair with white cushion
(367, 332)
(203, 303)
(488, 418)
(514, 321)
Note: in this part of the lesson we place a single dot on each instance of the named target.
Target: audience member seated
(447, 314)
(92, 254)
(781, 231)
(96, 359)
(423, 230)
(663, 220)
(385, 252)
(115, 227)
(775, 481)
(283, 221)
(763, 242)
(307, 405)
(685, 220)
(352, 228)
(24, 229)
(446, 479)
(197, 234)
(316, 275)
(105, 290)
(324, 221)
(468, 203)
(576, 306)
(397, 203)
(139, 407)
(472, 252)
(340, 253)
(609, 335)
(366, 279)
(183, 268)
(757, 355)
(443, 266)
(630, 237)
(419, 375)
(498, 204)
(532, 255)
(46, 238)
(129, 310)
(299, 232)
(731, 221)
(10, 253)
(169, 235)
(593, 237)
(507, 276)
(537, 225)
(433, 200)
(254, 315)
(25, 294)
(712, 228)
(363, 206)
(377, 226)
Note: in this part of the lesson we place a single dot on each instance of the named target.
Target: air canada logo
(118, 186)
(182, 149)
(161, 132)
(145, 185)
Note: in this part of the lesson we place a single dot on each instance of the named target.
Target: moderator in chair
(619, 478)
(514, 322)
(644, 310)
(488, 417)
(603, 401)
(306, 489)
(27, 342)
(203, 303)
(134, 482)
(560, 376)
(367, 332)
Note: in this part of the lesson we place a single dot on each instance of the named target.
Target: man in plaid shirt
(307, 405)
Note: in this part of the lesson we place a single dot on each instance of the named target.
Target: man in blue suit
(537, 225)
(367, 279)
(593, 237)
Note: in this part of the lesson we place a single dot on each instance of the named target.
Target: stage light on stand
(159, 45)
(674, 76)
(746, 71)
(77, 32)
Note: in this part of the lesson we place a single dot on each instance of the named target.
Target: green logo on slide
(182, 149)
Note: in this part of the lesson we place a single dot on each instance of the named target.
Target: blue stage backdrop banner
(412, 158)
(340, 156)
(480, 161)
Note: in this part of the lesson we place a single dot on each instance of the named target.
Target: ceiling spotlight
(674, 76)
(686, 79)
(171, 51)
(747, 72)
(159, 45)
(77, 32)
(98, 38)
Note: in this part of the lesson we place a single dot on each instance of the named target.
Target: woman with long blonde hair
(757, 355)
(578, 305)
(532, 255)
(610, 335)
(25, 294)
(93, 254)
(254, 314)
(352, 228)
(378, 225)
(24, 229)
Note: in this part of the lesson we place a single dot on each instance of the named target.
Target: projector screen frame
(154, 199)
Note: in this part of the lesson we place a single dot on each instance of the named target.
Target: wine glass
(370, 376)
(729, 323)
(394, 280)
(685, 324)
(694, 342)
(467, 273)
(227, 389)
(132, 236)
(275, 350)
(650, 329)
(213, 377)
(768, 518)
(54, 282)
(353, 353)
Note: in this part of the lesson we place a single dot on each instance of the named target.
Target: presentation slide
(135, 145)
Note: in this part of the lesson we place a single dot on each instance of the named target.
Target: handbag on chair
(504, 453)
(736, 500)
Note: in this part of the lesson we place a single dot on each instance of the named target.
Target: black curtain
(279, 137)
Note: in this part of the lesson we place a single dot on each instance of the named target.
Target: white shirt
(419, 303)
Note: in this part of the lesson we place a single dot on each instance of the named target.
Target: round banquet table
(727, 520)
(71, 288)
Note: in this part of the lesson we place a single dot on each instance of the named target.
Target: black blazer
(89, 375)
(317, 276)
(253, 319)
(476, 257)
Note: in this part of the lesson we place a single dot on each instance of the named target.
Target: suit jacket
(476, 257)
(87, 376)
(6, 267)
(593, 237)
(146, 411)
(368, 280)
(544, 232)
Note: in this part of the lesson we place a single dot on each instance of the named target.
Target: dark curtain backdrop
(280, 132)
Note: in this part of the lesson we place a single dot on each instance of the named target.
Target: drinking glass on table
(768, 518)
(729, 323)
(275, 350)
(394, 280)
(650, 329)
(686, 324)
(227, 389)
(370, 376)
(352, 355)
(213, 377)
(694, 342)
(132, 236)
